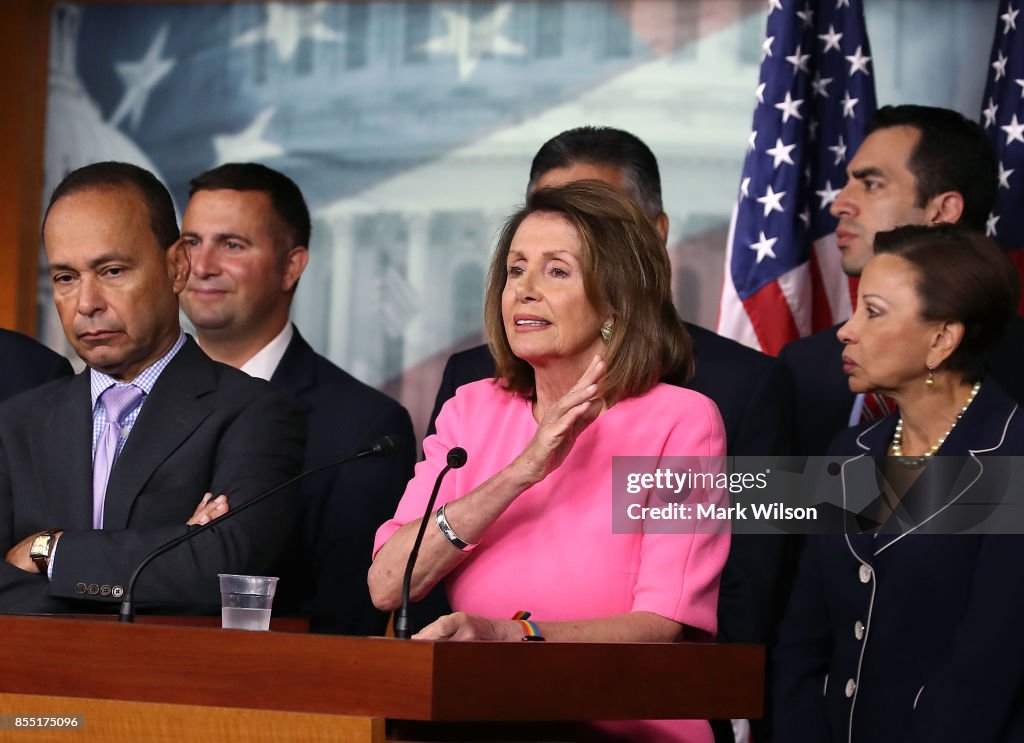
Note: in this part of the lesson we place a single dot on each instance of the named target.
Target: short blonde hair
(626, 274)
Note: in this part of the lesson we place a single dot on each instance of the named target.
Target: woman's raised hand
(562, 424)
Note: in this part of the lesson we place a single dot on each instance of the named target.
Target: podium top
(381, 677)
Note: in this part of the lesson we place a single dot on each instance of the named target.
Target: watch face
(40, 546)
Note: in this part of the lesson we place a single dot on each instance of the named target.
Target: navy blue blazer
(913, 634)
(323, 574)
(25, 363)
(823, 398)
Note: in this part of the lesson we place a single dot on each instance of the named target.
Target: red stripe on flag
(854, 283)
(821, 310)
(771, 317)
(1017, 256)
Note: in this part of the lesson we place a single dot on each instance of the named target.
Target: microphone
(456, 458)
(382, 447)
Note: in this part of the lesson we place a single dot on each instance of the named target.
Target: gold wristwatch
(41, 549)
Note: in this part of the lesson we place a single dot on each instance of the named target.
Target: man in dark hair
(247, 229)
(919, 165)
(98, 470)
(752, 391)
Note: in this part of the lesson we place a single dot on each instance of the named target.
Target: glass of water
(246, 601)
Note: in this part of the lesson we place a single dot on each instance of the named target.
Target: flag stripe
(815, 95)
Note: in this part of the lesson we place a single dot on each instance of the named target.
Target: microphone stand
(456, 459)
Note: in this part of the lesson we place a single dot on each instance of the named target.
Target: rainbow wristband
(531, 632)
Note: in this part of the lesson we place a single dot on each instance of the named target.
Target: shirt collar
(99, 382)
(264, 363)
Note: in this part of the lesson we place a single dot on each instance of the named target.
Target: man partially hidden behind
(247, 229)
(918, 165)
(98, 469)
(25, 363)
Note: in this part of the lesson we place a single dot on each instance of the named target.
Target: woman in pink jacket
(582, 327)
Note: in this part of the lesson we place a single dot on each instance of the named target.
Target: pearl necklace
(896, 448)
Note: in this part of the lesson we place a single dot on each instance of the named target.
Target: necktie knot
(120, 401)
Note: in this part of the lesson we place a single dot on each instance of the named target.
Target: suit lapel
(954, 469)
(172, 411)
(296, 372)
(61, 446)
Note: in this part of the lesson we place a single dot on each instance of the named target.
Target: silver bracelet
(449, 533)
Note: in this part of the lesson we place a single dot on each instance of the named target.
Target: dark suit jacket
(25, 364)
(323, 576)
(204, 426)
(823, 397)
(914, 634)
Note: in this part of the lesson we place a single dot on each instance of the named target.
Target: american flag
(782, 277)
(1002, 115)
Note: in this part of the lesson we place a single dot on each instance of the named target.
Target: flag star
(789, 107)
(140, 78)
(807, 16)
(990, 225)
(759, 93)
(751, 140)
(858, 62)
(1014, 131)
(805, 217)
(839, 150)
(287, 25)
(781, 153)
(463, 34)
(841, 3)
(848, 104)
(798, 60)
(772, 201)
(249, 144)
(1000, 66)
(774, 5)
(1009, 18)
(1019, 82)
(763, 247)
(1004, 176)
(828, 195)
(831, 39)
(745, 187)
(820, 85)
(807, 174)
(990, 113)
(812, 130)
(766, 47)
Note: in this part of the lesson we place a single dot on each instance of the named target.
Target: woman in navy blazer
(913, 630)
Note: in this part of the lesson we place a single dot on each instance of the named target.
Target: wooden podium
(153, 682)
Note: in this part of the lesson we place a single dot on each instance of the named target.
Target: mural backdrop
(410, 127)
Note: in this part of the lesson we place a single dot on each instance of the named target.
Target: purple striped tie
(118, 402)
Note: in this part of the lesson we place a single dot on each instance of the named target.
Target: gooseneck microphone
(456, 458)
(382, 447)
